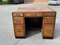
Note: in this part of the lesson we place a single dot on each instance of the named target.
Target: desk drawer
(49, 14)
(18, 20)
(20, 33)
(38, 14)
(29, 14)
(18, 27)
(19, 30)
(17, 14)
(48, 30)
(48, 20)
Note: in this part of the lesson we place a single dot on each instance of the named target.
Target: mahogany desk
(48, 22)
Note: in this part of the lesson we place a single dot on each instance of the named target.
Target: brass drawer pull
(19, 21)
(33, 14)
(48, 30)
(49, 14)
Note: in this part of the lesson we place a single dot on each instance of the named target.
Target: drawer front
(19, 27)
(29, 14)
(38, 14)
(19, 30)
(50, 14)
(48, 30)
(48, 20)
(18, 20)
(19, 33)
(17, 14)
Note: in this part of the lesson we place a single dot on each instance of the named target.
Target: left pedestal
(19, 27)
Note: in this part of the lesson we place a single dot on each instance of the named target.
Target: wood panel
(38, 14)
(48, 30)
(17, 14)
(53, 14)
(48, 20)
(19, 30)
(18, 20)
(29, 14)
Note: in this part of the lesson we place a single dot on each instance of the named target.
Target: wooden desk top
(33, 9)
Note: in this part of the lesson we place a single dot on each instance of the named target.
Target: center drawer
(29, 14)
(38, 14)
(18, 20)
(48, 20)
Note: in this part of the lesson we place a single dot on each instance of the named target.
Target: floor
(7, 32)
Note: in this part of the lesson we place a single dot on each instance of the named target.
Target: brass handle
(48, 29)
(48, 19)
(19, 21)
(33, 14)
(49, 14)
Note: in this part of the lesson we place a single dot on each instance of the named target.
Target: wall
(40, 0)
(27, 1)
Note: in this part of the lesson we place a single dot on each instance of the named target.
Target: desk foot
(47, 37)
(20, 37)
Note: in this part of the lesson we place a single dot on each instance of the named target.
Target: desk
(48, 21)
